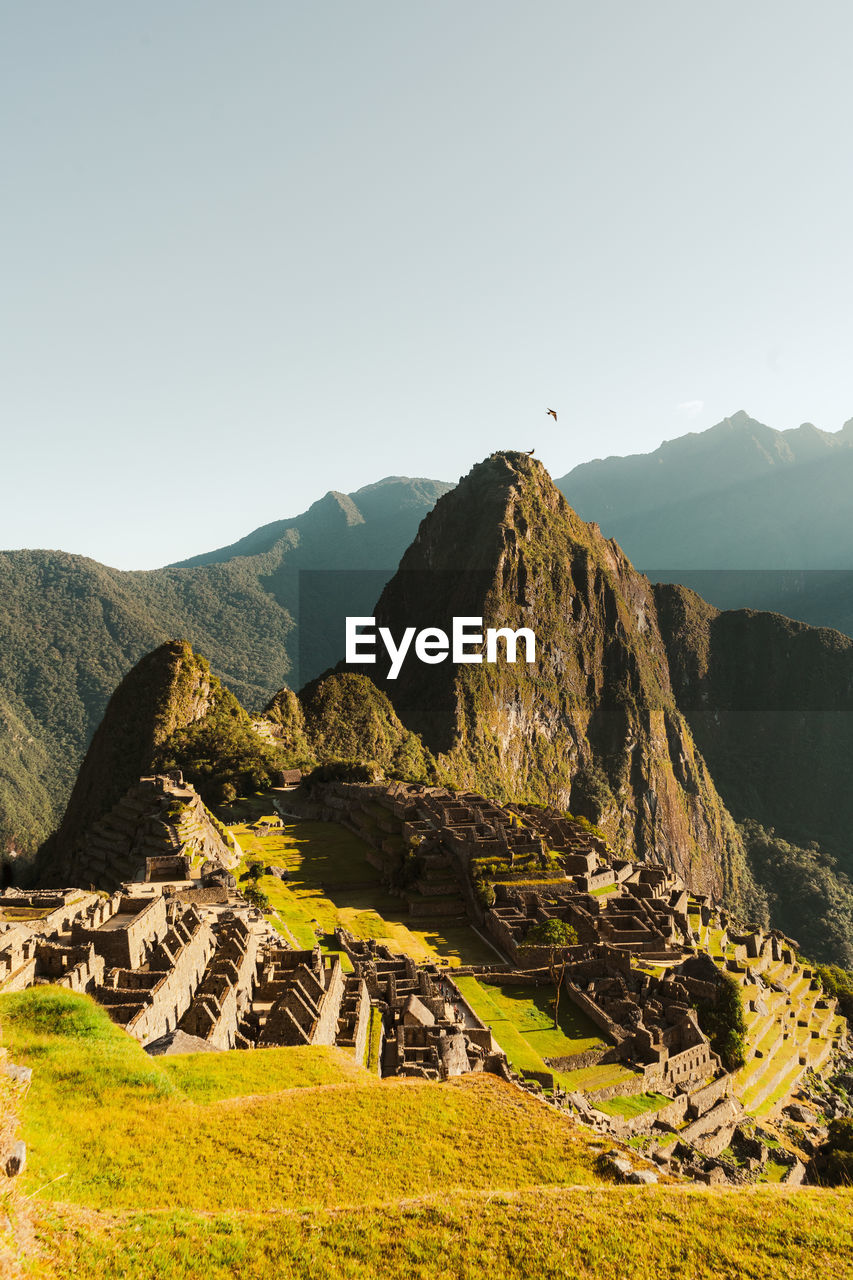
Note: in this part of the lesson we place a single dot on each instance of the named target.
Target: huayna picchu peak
(592, 726)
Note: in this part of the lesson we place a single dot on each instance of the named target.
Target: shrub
(834, 1162)
(837, 982)
(551, 933)
(344, 771)
(724, 1023)
(484, 892)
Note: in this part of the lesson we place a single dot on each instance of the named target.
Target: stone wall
(171, 997)
(592, 1011)
(362, 1023)
(122, 946)
(79, 968)
(326, 1027)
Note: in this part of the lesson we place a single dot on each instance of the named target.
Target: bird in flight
(530, 452)
(552, 413)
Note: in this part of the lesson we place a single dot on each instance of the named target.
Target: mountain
(168, 689)
(746, 515)
(593, 725)
(740, 496)
(342, 530)
(71, 629)
(648, 711)
(170, 711)
(771, 703)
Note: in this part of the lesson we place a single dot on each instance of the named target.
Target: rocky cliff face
(770, 702)
(592, 725)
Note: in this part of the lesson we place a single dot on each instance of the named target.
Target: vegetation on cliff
(809, 898)
(348, 718)
(724, 1022)
(770, 702)
(286, 719)
(221, 754)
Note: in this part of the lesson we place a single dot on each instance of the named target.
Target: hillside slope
(471, 1178)
(770, 702)
(71, 629)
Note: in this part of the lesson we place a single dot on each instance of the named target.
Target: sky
(254, 252)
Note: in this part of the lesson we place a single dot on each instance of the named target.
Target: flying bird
(530, 452)
(552, 413)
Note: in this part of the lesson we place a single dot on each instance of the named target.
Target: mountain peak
(740, 419)
(334, 506)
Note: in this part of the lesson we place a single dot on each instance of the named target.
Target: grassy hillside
(554, 1233)
(116, 1126)
(296, 1163)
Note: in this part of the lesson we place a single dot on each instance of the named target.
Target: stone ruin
(429, 1031)
(629, 918)
(178, 958)
(159, 830)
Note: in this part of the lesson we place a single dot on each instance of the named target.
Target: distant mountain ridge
(391, 500)
(740, 495)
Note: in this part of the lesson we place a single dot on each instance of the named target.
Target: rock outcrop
(167, 690)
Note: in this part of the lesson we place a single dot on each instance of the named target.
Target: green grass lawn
(635, 1105)
(212, 1077)
(331, 883)
(522, 1021)
(594, 1233)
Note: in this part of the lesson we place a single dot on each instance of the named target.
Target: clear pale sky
(255, 252)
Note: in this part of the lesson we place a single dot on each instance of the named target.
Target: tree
(552, 933)
(256, 897)
(724, 1023)
(556, 935)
